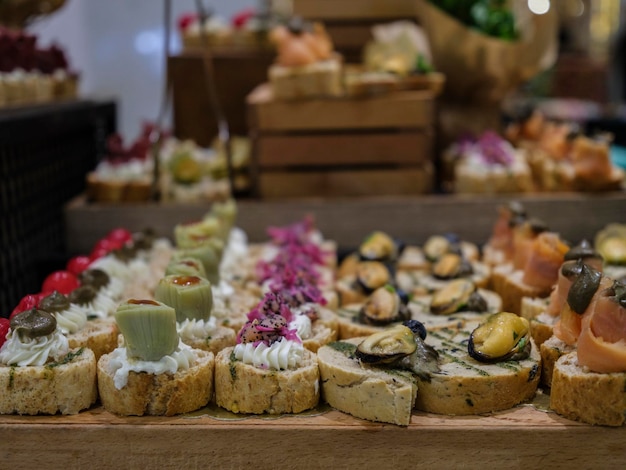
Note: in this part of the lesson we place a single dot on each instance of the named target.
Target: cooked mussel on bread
(503, 336)
(459, 295)
(384, 306)
(379, 246)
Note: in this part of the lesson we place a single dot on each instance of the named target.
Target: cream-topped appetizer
(153, 372)
(39, 372)
(268, 370)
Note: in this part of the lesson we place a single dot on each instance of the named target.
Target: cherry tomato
(63, 281)
(120, 235)
(78, 264)
(5, 325)
(28, 301)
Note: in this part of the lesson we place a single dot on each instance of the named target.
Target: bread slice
(319, 79)
(243, 388)
(464, 386)
(512, 290)
(541, 323)
(586, 396)
(367, 392)
(324, 330)
(67, 386)
(551, 350)
(158, 394)
(213, 339)
(99, 335)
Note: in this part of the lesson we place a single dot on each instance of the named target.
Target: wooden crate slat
(402, 148)
(411, 109)
(370, 182)
(349, 36)
(353, 9)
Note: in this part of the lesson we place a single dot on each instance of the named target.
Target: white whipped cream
(235, 253)
(100, 307)
(281, 355)
(302, 324)
(33, 351)
(191, 329)
(120, 365)
(222, 292)
(115, 268)
(71, 320)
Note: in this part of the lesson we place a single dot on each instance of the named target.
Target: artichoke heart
(503, 336)
(208, 253)
(453, 297)
(378, 246)
(148, 327)
(387, 346)
(225, 212)
(185, 267)
(190, 296)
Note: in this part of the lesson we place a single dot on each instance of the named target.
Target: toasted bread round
(551, 350)
(586, 396)
(243, 388)
(512, 290)
(99, 335)
(216, 339)
(465, 386)
(160, 394)
(368, 392)
(67, 386)
(325, 329)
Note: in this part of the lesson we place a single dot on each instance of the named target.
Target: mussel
(384, 306)
(451, 266)
(387, 346)
(586, 252)
(378, 246)
(435, 247)
(503, 336)
(370, 275)
(611, 243)
(458, 295)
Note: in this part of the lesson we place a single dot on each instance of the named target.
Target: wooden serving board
(520, 438)
(354, 9)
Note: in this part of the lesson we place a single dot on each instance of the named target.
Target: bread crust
(551, 350)
(375, 394)
(465, 386)
(65, 388)
(586, 396)
(512, 290)
(243, 388)
(158, 395)
(99, 335)
(324, 330)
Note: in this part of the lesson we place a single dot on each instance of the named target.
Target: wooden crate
(349, 22)
(342, 147)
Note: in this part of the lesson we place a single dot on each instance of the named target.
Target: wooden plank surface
(520, 438)
(347, 220)
(362, 182)
(400, 148)
(354, 9)
(411, 109)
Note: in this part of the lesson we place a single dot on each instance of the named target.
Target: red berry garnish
(63, 281)
(5, 325)
(28, 301)
(185, 20)
(120, 235)
(78, 264)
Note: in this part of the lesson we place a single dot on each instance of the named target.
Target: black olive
(416, 327)
(582, 250)
(94, 277)
(83, 295)
(55, 302)
(34, 323)
(583, 288)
